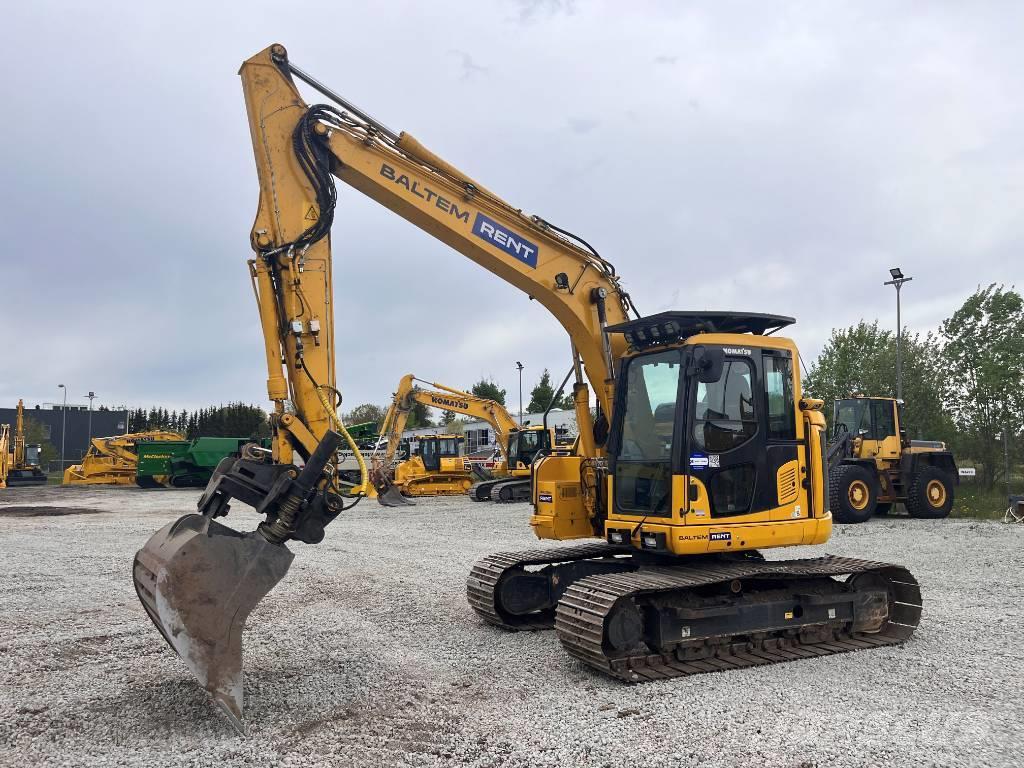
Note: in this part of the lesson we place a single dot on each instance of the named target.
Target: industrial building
(77, 427)
(480, 436)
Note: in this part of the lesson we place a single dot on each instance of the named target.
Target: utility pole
(63, 426)
(91, 395)
(898, 280)
(1006, 456)
(519, 365)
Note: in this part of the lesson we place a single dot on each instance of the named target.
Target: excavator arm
(301, 150)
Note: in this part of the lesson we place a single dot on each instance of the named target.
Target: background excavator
(438, 467)
(702, 452)
(23, 462)
(113, 460)
(5, 440)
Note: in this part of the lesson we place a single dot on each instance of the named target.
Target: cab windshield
(523, 445)
(643, 454)
(850, 416)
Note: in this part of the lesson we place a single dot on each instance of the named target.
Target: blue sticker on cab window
(699, 461)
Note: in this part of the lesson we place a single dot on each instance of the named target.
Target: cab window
(778, 384)
(643, 472)
(884, 422)
(725, 416)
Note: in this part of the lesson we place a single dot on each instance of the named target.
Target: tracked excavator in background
(113, 460)
(5, 441)
(702, 453)
(23, 462)
(518, 447)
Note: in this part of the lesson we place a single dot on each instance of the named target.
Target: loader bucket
(393, 497)
(198, 580)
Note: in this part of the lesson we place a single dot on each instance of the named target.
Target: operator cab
(525, 444)
(870, 418)
(433, 448)
(708, 396)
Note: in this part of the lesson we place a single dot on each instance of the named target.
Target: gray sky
(774, 157)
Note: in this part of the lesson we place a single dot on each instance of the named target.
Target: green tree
(35, 434)
(419, 415)
(861, 359)
(540, 396)
(487, 388)
(366, 412)
(984, 354)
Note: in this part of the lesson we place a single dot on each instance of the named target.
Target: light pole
(520, 367)
(63, 426)
(91, 395)
(898, 280)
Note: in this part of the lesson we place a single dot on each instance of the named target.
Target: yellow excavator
(23, 462)
(5, 440)
(442, 470)
(113, 460)
(703, 450)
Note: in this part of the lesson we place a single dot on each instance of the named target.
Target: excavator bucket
(198, 580)
(393, 497)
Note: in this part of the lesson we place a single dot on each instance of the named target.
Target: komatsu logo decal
(736, 351)
(505, 239)
(446, 402)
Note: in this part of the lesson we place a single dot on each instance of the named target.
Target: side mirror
(708, 363)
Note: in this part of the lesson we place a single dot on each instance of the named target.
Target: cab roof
(673, 326)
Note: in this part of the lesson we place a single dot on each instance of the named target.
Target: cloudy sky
(774, 157)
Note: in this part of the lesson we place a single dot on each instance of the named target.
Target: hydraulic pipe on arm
(562, 272)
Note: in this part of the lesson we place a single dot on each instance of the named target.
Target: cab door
(430, 455)
(882, 442)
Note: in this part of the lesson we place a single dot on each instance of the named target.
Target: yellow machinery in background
(873, 464)
(702, 452)
(23, 462)
(5, 439)
(113, 460)
(439, 468)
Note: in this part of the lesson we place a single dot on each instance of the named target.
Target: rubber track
(475, 489)
(581, 613)
(514, 481)
(487, 572)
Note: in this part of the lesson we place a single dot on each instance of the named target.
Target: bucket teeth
(198, 580)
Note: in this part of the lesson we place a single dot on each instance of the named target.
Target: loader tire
(852, 494)
(931, 494)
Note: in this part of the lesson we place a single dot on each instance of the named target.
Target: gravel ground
(367, 654)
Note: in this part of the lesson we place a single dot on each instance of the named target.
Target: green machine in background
(190, 463)
(185, 463)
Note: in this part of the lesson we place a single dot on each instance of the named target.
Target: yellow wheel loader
(872, 464)
(702, 453)
(113, 460)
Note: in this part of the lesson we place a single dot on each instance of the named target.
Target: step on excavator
(702, 453)
(518, 447)
(23, 462)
